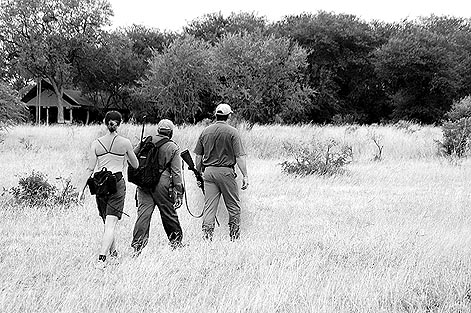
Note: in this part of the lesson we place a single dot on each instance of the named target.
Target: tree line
(314, 67)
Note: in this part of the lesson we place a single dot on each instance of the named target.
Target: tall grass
(390, 236)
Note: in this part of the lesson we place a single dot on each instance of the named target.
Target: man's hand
(178, 202)
(245, 182)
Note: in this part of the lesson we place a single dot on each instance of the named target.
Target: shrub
(347, 119)
(460, 109)
(67, 194)
(457, 130)
(35, 190)
(320, 158)
(377, 141)
(456, 137)
(12, 110)
(409, 126)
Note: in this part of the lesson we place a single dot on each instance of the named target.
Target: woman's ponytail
(112, 126)
(113, 120)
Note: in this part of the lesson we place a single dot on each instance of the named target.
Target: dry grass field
(388, 236)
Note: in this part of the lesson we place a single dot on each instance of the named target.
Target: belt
(118, 175)
(228, 166)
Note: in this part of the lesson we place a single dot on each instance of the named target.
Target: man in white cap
(167, 195)
(218, 149)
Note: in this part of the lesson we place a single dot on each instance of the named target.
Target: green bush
(35, 190)
(320, 158)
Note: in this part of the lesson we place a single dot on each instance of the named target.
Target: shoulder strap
(102, 145)
(157, 146)
(112, 142)
(161, 142)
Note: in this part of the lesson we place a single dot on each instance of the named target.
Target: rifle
(142, 132)
(186, 157)
(140, 147)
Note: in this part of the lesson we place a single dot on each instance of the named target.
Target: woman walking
(110, 151)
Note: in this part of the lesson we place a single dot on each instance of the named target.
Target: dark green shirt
(219, 144)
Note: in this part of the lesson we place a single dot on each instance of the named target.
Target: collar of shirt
(160, 136)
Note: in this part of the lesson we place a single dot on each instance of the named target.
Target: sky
(174, 14)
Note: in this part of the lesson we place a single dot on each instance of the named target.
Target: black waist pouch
(102, 183)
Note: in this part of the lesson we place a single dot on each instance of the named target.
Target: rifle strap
(186, 198)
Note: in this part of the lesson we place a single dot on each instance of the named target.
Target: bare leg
(113, 246)
(108, 235)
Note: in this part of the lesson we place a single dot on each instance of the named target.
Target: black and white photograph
(235, 157)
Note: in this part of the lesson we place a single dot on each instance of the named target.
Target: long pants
(147, 200)
(220, 181)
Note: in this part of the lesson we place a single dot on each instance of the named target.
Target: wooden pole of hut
(39, 101)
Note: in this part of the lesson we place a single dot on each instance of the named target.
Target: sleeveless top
(113, 161)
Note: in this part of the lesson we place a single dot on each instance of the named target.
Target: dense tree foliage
(419, 71)
(212, 27)
(318, 67)
(340, 68)
(107, 71)
(262, 77)
(12, 110)
(110, 69)
(180, 82)
(42, 37)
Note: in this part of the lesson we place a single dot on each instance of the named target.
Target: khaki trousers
(220, 181)
(147, 201)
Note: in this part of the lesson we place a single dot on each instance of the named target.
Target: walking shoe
(136, 252)
(176, 245)
(208, 234)
(114, 258)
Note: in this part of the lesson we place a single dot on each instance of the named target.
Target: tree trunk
(59, 91)
(60, 108)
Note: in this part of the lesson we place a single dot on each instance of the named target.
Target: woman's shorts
(112, 204)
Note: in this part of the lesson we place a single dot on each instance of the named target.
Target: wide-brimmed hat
(223, 109)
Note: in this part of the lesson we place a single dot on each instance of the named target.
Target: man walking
(167, 195)
(218, 149)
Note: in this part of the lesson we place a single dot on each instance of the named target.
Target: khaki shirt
(169, 157)
(220, 145)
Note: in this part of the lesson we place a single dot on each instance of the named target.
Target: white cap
(223, 109)
(165, 125)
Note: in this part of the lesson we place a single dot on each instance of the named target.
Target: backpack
(147, 174)
(102, 183)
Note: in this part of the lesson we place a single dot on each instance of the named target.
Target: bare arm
(92, 159)
(242, 164)
(132, 158)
